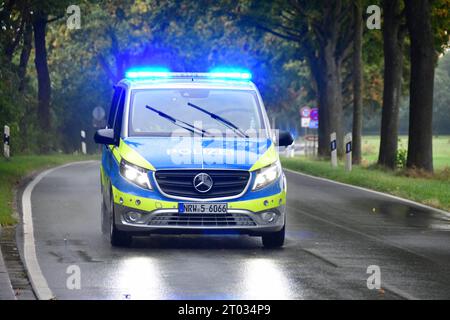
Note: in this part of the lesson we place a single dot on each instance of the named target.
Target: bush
(400, 159)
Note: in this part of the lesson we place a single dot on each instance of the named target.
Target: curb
(6, 290)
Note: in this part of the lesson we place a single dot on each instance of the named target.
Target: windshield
(238, 107)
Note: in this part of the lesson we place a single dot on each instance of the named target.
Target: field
(441, 149)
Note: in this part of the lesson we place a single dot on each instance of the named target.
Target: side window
(119, 115)
(113, 108)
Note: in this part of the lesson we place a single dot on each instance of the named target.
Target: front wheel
(274, 239)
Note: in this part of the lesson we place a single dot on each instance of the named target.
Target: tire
(104, 218)
(118, 238)
(274, 239)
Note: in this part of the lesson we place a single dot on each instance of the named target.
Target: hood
(200, 153)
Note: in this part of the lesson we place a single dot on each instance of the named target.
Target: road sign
(311, 138)
(98, 113)
(305, 122)
(313, 124)
(305, 112)
(314, 114)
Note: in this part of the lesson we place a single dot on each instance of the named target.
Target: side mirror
(104, 136)
(285, 139)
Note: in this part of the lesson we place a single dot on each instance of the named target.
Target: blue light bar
(147, 73)
(230, 73)
(159, 73)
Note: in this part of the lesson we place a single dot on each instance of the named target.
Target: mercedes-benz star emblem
(203, 182)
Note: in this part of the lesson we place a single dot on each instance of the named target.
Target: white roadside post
(83, 142)
(6, 142)
(333, 147)
(289, 151)
(348, 152)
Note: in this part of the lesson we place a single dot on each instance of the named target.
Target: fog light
(133, 216)
(268, 216)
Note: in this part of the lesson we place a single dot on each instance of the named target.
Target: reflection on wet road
(334, 234)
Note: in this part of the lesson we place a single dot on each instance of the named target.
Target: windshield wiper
(178, 122)
(221, 120)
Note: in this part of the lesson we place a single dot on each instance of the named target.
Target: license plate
(213, 208)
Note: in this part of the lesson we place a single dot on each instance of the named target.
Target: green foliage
(401, 156)
(183, 35)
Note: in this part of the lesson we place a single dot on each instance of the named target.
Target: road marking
(388, 287)
(363, 234)
(37, 279)
(398, 292)
(319, 256)
(424, 206)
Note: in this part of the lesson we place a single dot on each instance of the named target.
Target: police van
(191, 153)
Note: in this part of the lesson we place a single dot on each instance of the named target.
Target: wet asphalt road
(334, 233)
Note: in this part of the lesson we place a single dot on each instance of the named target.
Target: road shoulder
(6, 290)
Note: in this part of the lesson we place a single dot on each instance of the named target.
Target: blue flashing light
(159, 73)
(147, 73)
(231, 75)
(228, 73)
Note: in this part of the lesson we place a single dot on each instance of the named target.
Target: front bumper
(168, 220)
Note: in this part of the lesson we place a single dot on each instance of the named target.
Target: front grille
(202, 220)
(179, 183)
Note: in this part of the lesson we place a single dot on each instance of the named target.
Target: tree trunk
(423, 60)
(40, 61)
(25, 55)
(393, 40)
(333, 44)
(326, 72)
(357, 82)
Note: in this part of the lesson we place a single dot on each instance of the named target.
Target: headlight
(135, 174)
(267, 175)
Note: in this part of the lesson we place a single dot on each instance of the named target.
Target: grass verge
(13, 170)
(432, 191)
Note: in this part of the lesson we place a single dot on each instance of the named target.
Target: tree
(357, 81)
(394, 31)
(41, 12)
(441, 99)
(423, 61)
(322, 31)
(40, 21)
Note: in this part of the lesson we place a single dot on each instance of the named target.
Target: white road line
(372, 191)
(363, 234)
(398, 292)
(388, 287)
(37, 279)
